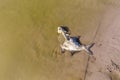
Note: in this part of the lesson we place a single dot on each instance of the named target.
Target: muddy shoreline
(107, 46)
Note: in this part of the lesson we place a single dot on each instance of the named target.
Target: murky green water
(28, 34)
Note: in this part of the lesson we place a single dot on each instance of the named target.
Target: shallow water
(28, 37)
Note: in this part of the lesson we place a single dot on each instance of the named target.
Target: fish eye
(59, 28)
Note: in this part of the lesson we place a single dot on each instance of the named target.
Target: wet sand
(107, 46)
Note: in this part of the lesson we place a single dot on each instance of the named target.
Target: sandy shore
(107, 47)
